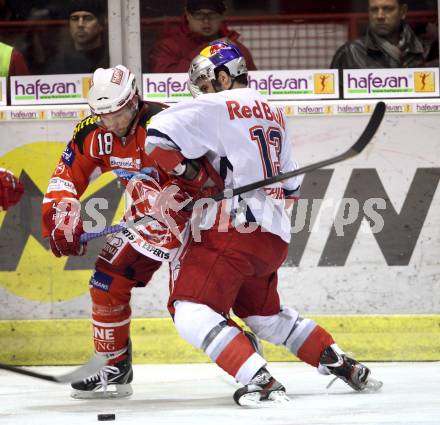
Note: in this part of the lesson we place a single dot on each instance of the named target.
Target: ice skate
(263, 391)
(353, 373)
(112, 381)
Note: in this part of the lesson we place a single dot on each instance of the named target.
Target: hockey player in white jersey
(227, 137)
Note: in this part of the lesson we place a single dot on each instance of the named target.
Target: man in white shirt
(230, 136)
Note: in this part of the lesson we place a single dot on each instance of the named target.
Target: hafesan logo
(324, 83)
(424, 82)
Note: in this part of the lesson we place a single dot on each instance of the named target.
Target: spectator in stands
(12, 61)
(88, 48)
(7, 13)
(201, 23)
(389, 42)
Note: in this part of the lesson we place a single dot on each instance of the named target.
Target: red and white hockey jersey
(244, 138)
(92, 151)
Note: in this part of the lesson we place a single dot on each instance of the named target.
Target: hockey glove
(67, 228)
(201, 180)
(11, 189)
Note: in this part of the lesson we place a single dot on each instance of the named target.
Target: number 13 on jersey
(269, 144)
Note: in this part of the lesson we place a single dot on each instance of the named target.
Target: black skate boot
(263, 391)
(349, 370)
(110, 382)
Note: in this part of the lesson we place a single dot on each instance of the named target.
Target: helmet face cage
(218, 53)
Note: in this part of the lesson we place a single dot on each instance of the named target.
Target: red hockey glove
(11, 189)
(206, 182)
(67, 228)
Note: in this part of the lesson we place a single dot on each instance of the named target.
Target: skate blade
(119, 391)
(373, 385)
(253, 400)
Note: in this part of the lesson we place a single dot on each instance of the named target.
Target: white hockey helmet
(217, 53)
(111, 89)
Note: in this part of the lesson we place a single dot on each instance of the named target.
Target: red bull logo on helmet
(213, 49)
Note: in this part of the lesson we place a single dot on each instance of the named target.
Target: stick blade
(84, 371)
(370, 130)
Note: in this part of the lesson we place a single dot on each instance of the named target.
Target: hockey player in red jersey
(111, 139)
(11, 189)
(244, 139)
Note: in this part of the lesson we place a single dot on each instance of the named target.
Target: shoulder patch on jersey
(153, 108)
(82, 129)
(68, 155)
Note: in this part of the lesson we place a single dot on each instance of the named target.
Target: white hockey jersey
(244, 137)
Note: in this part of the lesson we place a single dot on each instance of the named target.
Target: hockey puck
(106, 417)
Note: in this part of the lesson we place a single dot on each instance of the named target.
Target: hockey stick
(80, 373)
(357, 148)
(88, 236)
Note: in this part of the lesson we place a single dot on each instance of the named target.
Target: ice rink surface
(199, 394)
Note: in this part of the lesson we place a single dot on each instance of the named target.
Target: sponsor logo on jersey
(108, 252)
(57, 184)
(100, 280)
(124, 162)
(128, 235)
(152, 249)
(257, 110)
(68, 155)
(163, 255)
(126, 175)
(115, 241)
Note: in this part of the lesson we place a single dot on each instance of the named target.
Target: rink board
(369, 276)
(369, 338)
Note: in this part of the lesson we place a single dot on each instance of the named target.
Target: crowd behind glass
(71, 36)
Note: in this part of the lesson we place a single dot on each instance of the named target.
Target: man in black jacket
(389, 42)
